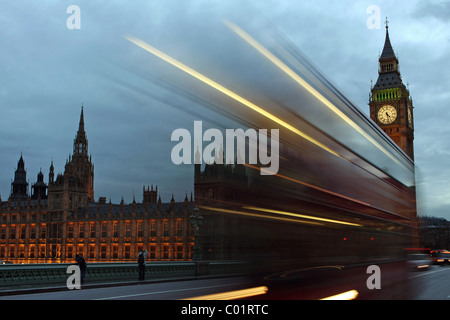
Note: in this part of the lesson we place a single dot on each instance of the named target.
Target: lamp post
(196, 221)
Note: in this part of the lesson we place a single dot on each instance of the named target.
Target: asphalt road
(153, 291)
(432, 284)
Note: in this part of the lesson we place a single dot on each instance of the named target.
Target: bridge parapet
(56, 273)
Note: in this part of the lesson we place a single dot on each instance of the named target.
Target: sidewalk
(51, 287)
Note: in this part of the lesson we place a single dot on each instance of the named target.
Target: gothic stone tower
(19, 187)
(390, 102)
(75, 188)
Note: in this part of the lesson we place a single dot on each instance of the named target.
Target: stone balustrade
(56, 273)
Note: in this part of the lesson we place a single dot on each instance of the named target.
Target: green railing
(14, 275)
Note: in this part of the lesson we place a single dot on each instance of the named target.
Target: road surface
(433, 284)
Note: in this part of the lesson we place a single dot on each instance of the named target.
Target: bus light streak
(225, 91)
(303, 216)
(244, 213)
(305, 85)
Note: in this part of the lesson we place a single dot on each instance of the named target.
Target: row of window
(387, 67)
(105, 251)
(90, 229)
(40, 217)
(386, 95)
(22, 218)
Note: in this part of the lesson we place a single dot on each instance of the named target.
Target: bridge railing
(28, 274)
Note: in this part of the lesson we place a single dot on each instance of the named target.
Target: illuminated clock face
(387, 114)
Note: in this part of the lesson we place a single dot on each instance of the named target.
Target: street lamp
(196, 222)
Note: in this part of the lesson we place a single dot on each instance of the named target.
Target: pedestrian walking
(141, 264)
(82, 264)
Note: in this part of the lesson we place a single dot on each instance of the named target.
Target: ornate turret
(39, 189)
(19, 187)
(80, 144)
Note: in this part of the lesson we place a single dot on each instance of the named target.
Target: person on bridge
(82, 264)
(141, 263)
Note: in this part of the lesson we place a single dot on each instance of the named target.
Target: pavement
(61, 286)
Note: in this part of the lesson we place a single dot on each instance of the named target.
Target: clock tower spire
(390, 102)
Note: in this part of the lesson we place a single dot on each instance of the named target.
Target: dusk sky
(47, 71)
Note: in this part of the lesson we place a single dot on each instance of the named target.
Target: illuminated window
(70, 254)
(22, 251)
(42, 251)
(103, 251)
(153, 228)
(140, 228)
(127, 252)
(33, 231)
(166, 228)
(115, 251)
(12, 231)
(80, 249)
(32, 251)
(128, 229)
(115, 229)
(81, 230)
(91, 251)
(54, 231)
(43, 229)
(70, 230)
(92, 230)
(179, 252)
(104, 229)
(179, 228)
(166, 251)
(152, 252)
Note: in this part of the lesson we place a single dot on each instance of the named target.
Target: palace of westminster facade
(62, 219)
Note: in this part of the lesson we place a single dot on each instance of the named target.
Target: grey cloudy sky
(47, 71)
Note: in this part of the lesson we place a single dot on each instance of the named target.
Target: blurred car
(441, 258)
(5, 262)
(418, 261)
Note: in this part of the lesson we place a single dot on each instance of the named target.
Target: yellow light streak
(303, 216)
(348, 295)
(225, 91)
(244, 213)
(304, 84)
(231, 295)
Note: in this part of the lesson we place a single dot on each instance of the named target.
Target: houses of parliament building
(61, 219)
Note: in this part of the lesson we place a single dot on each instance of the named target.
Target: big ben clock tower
(390, 102)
